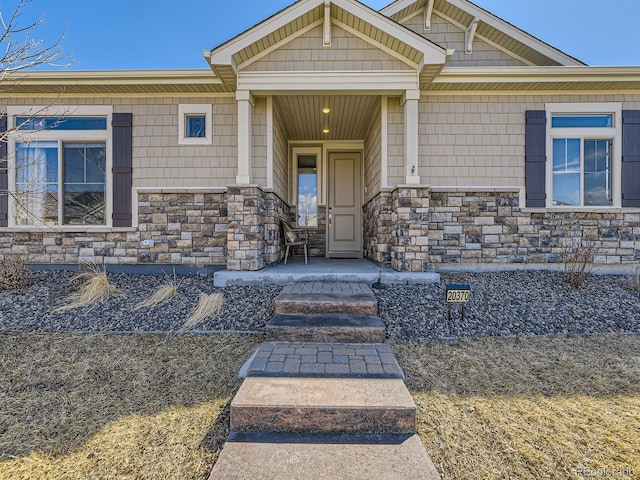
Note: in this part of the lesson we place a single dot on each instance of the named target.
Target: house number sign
(458, 294)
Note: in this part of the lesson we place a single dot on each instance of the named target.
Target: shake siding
(448, 35)
(479, 141)
(347, 52)
(280, 156)
(259, 142)
(395, 142)
(372, 157)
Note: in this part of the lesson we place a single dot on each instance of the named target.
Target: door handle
(330, 216)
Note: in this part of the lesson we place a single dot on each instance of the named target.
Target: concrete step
(327, 298)
(337, 360)
(260, 456)
(327, 328)
(323, 405)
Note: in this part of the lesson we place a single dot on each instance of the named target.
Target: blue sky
(155, 34)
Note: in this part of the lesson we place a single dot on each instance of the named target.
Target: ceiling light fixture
(325, 131)
(326, 110)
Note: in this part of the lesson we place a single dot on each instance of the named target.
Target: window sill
(580, 210)
(67, 229)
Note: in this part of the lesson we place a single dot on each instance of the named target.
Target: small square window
(194, 124)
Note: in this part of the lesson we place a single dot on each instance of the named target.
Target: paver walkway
(298, 359)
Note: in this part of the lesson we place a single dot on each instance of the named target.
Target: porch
(321, 269)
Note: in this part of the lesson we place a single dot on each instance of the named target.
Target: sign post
(458, 294)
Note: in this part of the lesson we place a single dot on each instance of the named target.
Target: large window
(60, 170)
(583, 153)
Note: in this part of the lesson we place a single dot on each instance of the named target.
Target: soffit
(350, 117)
(529, 79)
(490, 27)
(68, 83)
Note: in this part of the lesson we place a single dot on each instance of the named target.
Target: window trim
(295, 152)
(61, 136)
(185, 109)
(614, 133)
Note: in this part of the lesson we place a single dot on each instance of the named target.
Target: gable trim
(497, 23)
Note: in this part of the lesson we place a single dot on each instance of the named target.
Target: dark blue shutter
(535, 158)
(631, 158)
(122, 167)
(4, 173)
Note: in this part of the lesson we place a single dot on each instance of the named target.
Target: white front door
(344, 206)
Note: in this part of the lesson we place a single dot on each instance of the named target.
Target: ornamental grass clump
(208, 306)
(14, 273)
(94, 289)
(162, 295)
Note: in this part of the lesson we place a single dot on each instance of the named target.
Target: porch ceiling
(350, 117)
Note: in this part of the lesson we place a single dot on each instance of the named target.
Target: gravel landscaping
(502, 304)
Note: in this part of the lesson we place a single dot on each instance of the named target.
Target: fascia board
(537, 74)
(514, 32)
(114, 77)
(223, 54)
(432, 53)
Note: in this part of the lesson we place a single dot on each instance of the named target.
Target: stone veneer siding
(457, 226)
(186, 227)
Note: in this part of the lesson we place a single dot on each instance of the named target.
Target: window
(583, 155)
(307, 190)
(61, 164)
(194, 124)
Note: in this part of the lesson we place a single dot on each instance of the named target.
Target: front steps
(326, 398)
(326, 312)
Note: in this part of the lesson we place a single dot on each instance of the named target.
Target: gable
(489, 29)
(451, 36)
(347, 52)
(270, 41)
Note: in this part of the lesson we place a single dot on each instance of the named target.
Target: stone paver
(324, 359)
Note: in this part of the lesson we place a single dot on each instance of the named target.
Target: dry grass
(578, 255)
(117, 406)
(94, 289)
(161, 295)
(14, 273)
(533, 408)
(208, 306)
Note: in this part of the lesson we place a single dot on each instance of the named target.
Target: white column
(245, 104)
(411, 142)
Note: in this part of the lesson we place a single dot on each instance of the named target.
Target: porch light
(326, 110)
(325, 130)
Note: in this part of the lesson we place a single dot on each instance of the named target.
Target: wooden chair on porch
(295, 237)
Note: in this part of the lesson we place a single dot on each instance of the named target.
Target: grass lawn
(115, 406)
(548, 407)
(156, 406)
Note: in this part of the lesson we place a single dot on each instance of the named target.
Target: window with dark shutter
(4, 174)
(122, 166)
(631, 158)
(535, 157)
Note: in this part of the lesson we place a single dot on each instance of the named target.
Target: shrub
(14, 273)
(578, 255)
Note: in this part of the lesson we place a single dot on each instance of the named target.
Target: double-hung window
(584, 154)
(60, 169)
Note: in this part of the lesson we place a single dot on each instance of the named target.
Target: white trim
(279, 44)
(428, 12)
(384, 142)
(185, 109)
(326, 34)
(411, 101)
(366, 81)
(245, 139)
(374, 43)
(614, 133)
(470, 35)
(269, 141)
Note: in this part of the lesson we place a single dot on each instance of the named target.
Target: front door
(344, 206)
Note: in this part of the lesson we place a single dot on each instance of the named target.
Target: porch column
(245, 104)
(411, 118)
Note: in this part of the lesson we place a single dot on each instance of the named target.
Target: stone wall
(413, 228)
(186, 228)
